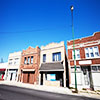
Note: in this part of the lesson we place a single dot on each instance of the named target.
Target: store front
(2, 72)
(12, 74)
(53, 78)
(28, 76)
(87, 76)
(52, 74)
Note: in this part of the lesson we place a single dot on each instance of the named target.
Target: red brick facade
(81, 44)
(30, 65)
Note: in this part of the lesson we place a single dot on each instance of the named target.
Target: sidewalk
(60, 90)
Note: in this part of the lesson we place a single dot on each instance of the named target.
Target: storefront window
(51, 77)
(78, 69)
(95, 68)
(99, 68)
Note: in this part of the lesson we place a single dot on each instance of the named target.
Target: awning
(28, 70)
(2, 69)
(52, 67)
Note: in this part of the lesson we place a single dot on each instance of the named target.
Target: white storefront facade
(13, 68)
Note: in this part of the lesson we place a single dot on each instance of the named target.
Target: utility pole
(72, 8)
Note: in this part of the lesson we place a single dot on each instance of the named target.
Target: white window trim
(75, 54)
(93, 53)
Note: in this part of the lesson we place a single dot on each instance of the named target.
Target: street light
(72, 8)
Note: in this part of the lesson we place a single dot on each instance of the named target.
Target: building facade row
(44, 67)
(50, 65)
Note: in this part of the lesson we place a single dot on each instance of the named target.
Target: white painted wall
(14, 56)
(96, 80)
(13, 64)
(3, 65)
(79, 78)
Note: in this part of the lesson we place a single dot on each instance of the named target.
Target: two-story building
(13, 67)
(30, 65)
(87, 55)
(53, 65)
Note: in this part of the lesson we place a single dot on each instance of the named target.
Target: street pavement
(18, 93)
(59, 90)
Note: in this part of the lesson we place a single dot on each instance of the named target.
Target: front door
(86, 76)
(28, 78)
(11, 76)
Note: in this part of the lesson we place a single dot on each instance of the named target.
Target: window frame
(44, 58)
(95, 67)
(31, 59)
(25, 60)
(93, 51)
(10, 61)
(28, 60)
(76, 57)
(16, 60)
(56, 56)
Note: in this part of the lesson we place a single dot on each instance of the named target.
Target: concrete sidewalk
(60, 90)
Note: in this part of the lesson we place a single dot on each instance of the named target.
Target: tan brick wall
(52, 83)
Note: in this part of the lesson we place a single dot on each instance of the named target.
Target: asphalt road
(16, 93)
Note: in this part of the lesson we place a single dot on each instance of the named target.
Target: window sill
(77, 59)
(92, 58)
(84, 59)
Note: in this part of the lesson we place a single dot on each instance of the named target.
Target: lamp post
(72, 8)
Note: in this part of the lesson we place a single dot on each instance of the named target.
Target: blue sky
(25, 23)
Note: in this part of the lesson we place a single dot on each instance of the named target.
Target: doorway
(11, 76)
(28, 78)
(86, 71)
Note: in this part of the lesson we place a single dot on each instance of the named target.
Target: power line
(34, 30)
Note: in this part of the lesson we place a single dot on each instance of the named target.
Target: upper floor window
(57, 56)
(28, 60)
(31, 59)
(16, 60)
(25, 60)
(96, 51)
(10, 61)
(77, 54)
(44, 57)
(91, 52)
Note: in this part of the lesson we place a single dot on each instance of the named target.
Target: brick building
(87, 53)
(30, 65)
